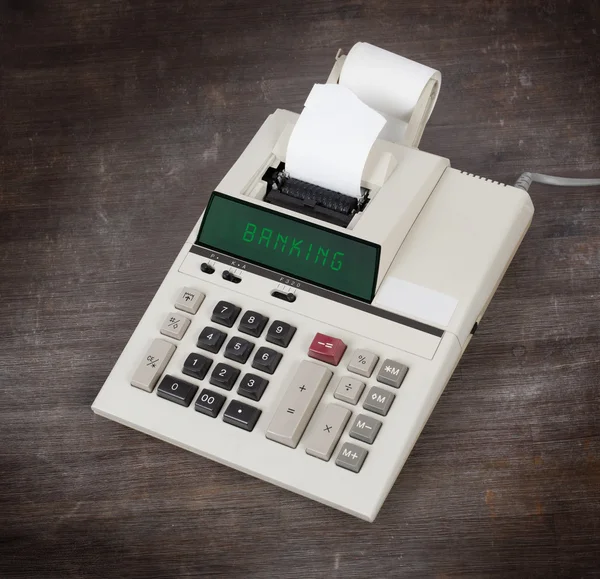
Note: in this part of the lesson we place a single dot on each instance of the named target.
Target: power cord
(527, 178)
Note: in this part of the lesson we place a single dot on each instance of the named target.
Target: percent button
(363, 362)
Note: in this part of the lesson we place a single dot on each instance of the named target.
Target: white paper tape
(332, 138)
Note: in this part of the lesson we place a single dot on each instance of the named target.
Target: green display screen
(289, 245)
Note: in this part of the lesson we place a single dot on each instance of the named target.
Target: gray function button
(189, 300)
(349, 389)
(378, 400)
(351, 457)
(325, 430)
(153, 365)
(392, 373)
(365, 428)
(175, 326)
(363, 362)
(298, 403)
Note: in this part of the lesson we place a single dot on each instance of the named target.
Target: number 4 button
(280, 333)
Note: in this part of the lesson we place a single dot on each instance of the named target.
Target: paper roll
(390, 84)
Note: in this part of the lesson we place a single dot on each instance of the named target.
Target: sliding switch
(298, 403)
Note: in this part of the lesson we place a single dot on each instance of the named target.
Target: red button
(327, 349)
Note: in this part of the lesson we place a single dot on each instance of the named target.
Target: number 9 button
(280, 333)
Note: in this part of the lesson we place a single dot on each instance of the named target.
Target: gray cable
(527, 178)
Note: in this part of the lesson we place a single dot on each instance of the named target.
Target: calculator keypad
(225, 314)
(293, 419)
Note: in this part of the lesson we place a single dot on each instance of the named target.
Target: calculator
(305, 339)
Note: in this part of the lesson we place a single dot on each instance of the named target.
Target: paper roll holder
(421, 112)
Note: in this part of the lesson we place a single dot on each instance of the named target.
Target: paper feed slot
(311, 200)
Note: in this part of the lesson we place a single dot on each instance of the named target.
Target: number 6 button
(266, 360)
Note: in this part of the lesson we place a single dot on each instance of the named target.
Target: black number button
(196, 366)
(280, 333)
(252, 386)
(224, 376)
(175, 390)
(253, 323)
(225, 314)
(238, 349)
(266, 360)
(241, 415)
(209, 403)
(211, 339)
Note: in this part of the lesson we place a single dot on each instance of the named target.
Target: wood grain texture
(117, 119)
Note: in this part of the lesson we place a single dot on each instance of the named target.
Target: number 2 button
(225, 314)
(266, 360)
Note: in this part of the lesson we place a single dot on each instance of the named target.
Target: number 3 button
(280, 333)
(266, 360)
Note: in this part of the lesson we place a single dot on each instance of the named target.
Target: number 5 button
(266, 360)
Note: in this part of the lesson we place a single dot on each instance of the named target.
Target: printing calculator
(303, 336)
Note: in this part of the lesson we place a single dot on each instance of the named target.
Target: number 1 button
(225, 314)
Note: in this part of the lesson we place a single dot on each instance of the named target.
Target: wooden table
(117, 119)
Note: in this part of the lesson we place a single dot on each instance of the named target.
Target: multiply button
(325, 430)
(392, 373)
(327, 349)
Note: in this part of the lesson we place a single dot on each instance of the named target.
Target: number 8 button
(280, 333)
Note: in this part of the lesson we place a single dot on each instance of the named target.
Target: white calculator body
(307, 353)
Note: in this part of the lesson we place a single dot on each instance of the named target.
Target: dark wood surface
(117, 119)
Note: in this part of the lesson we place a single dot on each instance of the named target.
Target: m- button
(392, 373)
